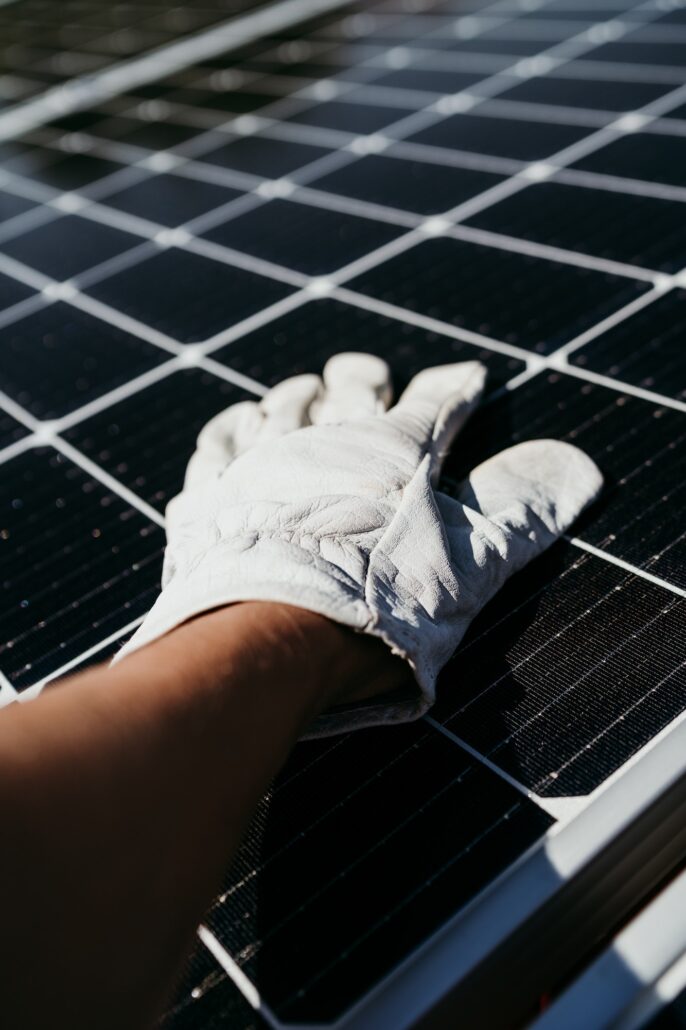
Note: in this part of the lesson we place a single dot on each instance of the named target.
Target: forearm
(125, 791)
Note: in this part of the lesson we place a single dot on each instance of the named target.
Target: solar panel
(431, 181)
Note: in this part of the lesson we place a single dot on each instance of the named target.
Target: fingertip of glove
(298, 391)
(553, 474)
(354, 368)
(465, 377)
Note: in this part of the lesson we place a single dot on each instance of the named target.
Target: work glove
(318, 496)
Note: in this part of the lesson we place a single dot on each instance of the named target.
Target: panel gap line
(37, 687)
(118, 393)
(517, 245)
(426, 322)
(380, 257)
(256, 321)
(128, 324)
(125, 76)
(618, 385)
(482, 759)
(94, 470)
(237, 976)
(635, 570)
(613, 320)
(236, 378)
(620, 184)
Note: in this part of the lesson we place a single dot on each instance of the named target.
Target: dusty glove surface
(320, 497)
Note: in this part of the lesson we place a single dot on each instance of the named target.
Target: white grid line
(341, 276)
(90, 90)
(36, 688)
(206, 936)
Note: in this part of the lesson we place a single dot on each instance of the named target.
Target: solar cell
(641, 155)
(541, 304)
(10, 430)
(645, 350)
(417, 186)
(185, 295)
(68, 172)
(79, 563)
(12, 292)
(322, 865)
(305, 338)
(147, 439)
(308, 239)
(638, 445)
(606, 94)
(507, 137)
(261, 156)
(450, 226)
(59, 358)
(348, 117)
(12, 205)
(68, 245)
(636, 230)
(206, 999)
(607, 634)
(170, 199)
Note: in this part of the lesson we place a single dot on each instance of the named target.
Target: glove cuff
(270, 569)
(275, 570)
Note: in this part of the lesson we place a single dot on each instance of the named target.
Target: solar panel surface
(430, 181)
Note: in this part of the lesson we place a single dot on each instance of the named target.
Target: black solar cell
(646, 350)
(606, 94)
(147, 439)
(70, 172)
(260, 155)
(170, 199)
(638, 445)
(10, 430)
(206, 999)
(304, 339)
(11, 205)
(153, 135)
(302, 237)
(347, 117)
(643, 231)
(540, 304)
(12, 292)
(507, 137)
(641, 155)
(369, 843)
(78, 564)
(58, 358)
(551, 681)
(431, 80)
(394, 830)
(68, 245)
(410, 185)
(641, 52)
(186, 296)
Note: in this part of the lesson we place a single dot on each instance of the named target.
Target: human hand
(321, 498)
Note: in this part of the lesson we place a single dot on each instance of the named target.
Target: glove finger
(222, 439)
(356, 385)
(437, 403)
(533, 491)
(287, 405)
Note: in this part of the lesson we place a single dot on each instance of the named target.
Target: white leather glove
(319, 497)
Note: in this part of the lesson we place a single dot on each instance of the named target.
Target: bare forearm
(125, 791)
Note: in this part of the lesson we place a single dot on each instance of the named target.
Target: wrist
(319, 663)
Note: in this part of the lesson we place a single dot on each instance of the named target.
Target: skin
(125, 791)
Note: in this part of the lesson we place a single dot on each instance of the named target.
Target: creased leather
(320, 497)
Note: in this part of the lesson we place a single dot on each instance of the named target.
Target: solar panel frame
(640, 977)
(347, 147)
